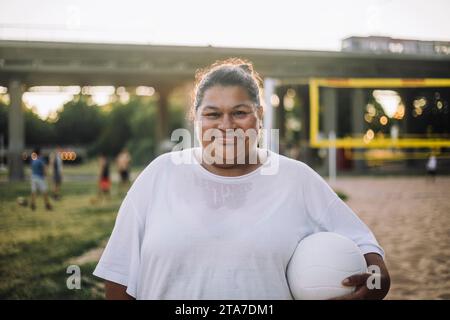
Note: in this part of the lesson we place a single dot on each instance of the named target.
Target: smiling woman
(221, 227)
(228, 117)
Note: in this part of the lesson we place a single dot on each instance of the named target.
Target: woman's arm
(369, 286)
(115, 291)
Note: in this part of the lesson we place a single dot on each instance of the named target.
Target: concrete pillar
(269, 90)
(306, 152)
(329, 106)
(162, 133)
(409, 124)
(407, 101)
(16, 130)
(281, 118)
(329, 102)
(358, 105)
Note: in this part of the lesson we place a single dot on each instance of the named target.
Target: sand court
(410, 217)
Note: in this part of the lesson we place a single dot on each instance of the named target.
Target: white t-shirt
(183, 232)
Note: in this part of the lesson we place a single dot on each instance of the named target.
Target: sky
(299, 24)
(288, 24)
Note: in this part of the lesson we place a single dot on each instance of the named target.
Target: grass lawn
(36, 247)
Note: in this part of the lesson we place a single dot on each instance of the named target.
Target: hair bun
(246, 67)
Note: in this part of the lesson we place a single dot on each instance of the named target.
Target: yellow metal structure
(351, 142)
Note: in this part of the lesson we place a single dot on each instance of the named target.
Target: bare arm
(115, 291)
(374, 259)
(379, 283)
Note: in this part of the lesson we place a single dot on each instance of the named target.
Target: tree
(78, 123)
(142, 144)
(37, 131)
(116, 131)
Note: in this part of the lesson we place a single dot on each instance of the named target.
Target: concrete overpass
(33, 63)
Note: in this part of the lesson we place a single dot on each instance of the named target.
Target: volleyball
(22, 201)
(320, 263)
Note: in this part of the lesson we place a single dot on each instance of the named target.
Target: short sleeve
(121, 258)
(330, 213)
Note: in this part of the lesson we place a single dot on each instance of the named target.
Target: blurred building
(400, 46)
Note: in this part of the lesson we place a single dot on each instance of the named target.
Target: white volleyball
(320, 263)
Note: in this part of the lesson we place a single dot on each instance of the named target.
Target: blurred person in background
(56, 163)
(123, 166)
(104, 184)
(38, 183)
(432, 166)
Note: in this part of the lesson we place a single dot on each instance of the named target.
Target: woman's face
(228, 121)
